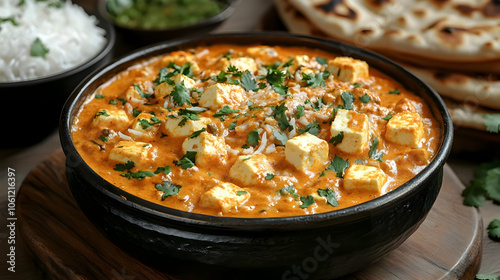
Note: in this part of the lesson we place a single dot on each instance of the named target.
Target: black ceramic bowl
(32, 108)
(195, 246)
(141, 37)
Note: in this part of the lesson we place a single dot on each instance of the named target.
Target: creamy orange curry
(255, 131)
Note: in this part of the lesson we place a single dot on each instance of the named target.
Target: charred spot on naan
(337, 8)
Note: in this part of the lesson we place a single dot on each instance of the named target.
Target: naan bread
(453, 31)
(467, 115)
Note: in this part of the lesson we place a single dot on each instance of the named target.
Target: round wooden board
(65, 245)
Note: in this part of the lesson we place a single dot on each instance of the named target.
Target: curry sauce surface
(282, 192)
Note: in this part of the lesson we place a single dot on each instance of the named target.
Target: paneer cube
(219, 95)
(362, 177)
(405, 128)
(348, 69)
(180, 58)
(307, 152)
(209, 149)
(262, 51)
(165, 89)
(178, 127)
(138, 93)
(297, 62)
(125, 151)
(355, 127)
(242, 63)
(115, 119)
(251, 169)
(225, 196)
(146, 123)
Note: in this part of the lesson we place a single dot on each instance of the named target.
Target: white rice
(71, 36)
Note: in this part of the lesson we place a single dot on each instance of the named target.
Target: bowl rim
(165, 213)
(228, 10)
(107, 48)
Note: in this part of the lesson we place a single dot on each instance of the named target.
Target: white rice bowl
(71, 36)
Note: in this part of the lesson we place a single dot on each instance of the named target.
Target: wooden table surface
(468, 151)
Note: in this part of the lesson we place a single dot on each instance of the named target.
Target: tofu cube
(219, 95)
(364, 178)
(307, 152)
(355, 127)
(209, 149)
(348, 69)
(242, 63)
(124, 151)
(405, 128)
(173, 128)
(251, 169)
(146, 123)
(298, 61)
(180, 58)
(225, 196)
(111, 119)
(165, 89)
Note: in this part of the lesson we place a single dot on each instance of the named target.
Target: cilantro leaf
(487, 277)
(338, 165)
(9, 19)
(337, 139)
(395, 91)
(474, 194)
(330, 195)
(168, 189)
(300, 112)
(248, 81)
(315, 80)
(141, 93)
(492, 122)
(348, 99)
(269, 176)
(253, 138)
(280, 136)
(241, 192)
(485, 184)
(306, 201)
(225, 111)
(288, 190)
(365, 98)
(312, 128)
(276, 78)
(388, 117)
(279, 113)
(322, 61)
(197, 133)
(492, 184)
(139, 175)
(494, 229)
(316, 106)
(180, 94)
(165, 169)
(373, 148)
(102, 113)
(38, 49)
(187, 161)
(122, 167)
(232, 126)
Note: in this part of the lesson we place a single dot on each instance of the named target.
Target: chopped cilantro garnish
(279, 113)
(306, 201)
(168, 189)
(38, 49)
(99, 96)
(122, 167)
(288, 190)
(276, 78)
(113, 102)
(187, 161)
(338, 165)
(103, 138)
(322, 61)
(232, 126)
(365, 98)
(269, 176)
(388, 117)
(373, 150)
(241, 192)
(253, 138)
(165, 169)
(102, 113)
(180, 94)
(395, 91)
(312, 128)
(141, 93)
(300, 112)
(225, 111)
(280, 136)
(330, 195)
(197, 133)
(148, 123)
(139, 175)
(9, 19)
(348, 99)
(337, 139)
(492, 122)
(357, 85)
(315, 80)
(186, 115)
(248, 81)
(316, 106)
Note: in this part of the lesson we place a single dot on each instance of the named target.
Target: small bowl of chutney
(144, 22)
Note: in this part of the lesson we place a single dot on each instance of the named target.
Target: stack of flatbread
(453, 45)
